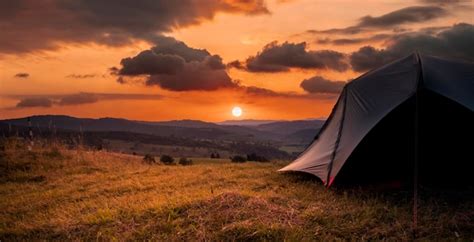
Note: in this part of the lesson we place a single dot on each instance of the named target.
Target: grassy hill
(297, 133)
(54, 193)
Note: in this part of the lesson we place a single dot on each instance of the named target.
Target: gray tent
(412, 115)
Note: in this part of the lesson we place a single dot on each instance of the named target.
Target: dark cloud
(170, 46)
(22, 75)
(113, 70)
(236, 64)
(318, 84)
(29, 25)
(81, 76)
(277, 58)
(446, 2)
(455, 42)
(150, 62)
(34, 102)
(214, 62)
(405, 15)
(168, 57)
(368, 57)
(174, 66)
(77, 99)
(194, 76)
(264, 92)
(415, 14)
(351, 41)
(126, 96)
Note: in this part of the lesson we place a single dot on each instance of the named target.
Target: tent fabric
(365, 101)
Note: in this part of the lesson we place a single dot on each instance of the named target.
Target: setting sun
(236, 111)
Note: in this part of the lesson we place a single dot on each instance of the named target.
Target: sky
(197, 59)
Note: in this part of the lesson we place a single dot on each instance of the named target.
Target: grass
(59, 194)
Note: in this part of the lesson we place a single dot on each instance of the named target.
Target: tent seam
(324, 127)
(338, 139)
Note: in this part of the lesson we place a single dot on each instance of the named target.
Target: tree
(167, 159)
(149, 159)
(238, 159)
(185, 162)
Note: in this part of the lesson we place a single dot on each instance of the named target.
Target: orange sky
(232, 36)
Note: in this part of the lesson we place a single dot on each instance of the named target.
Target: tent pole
(416, 146)
(415, 169)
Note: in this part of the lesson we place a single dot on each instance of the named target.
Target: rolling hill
(176, 137)
(271, 131)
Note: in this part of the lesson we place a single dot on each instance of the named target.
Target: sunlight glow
(237, 111)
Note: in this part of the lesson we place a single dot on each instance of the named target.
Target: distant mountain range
(280, 133)
(247, 122)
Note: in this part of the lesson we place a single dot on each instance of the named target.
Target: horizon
(170, 120)
(194, 61)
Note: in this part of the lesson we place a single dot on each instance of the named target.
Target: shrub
(185, 162)
(255, 157)
(167, 159)
(149, 159)
(54, 153)
(238, 159)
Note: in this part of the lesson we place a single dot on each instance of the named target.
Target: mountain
(292, 127)
(246, 122)
(188, 123)
(277, 132)
(121, 125)
(304, 136)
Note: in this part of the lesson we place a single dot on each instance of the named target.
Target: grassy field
(60, 194)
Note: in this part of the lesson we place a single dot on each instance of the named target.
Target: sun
(236, 111)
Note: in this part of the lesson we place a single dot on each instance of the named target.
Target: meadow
(53, 193)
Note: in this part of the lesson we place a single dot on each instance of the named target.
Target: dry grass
(62, 194)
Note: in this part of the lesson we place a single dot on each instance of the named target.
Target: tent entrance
(386, 155)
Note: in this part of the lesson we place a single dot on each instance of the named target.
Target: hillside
(270, 131)
(57, 194)
(274, 139)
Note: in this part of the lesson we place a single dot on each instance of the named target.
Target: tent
(410, 119)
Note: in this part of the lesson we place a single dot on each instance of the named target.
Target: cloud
(278, 58)
(170, 46)
(351, 41)
(77, 99)
(455, 42)
(264, 92)
(81, 76)
(318, 84)
(22, 75)
(268, 93)
(30, 25)
(34, 102)
(236, 64)
(194, 76)
(149, 62)
(446, 2)
(368, 57)
(408, 15)
(214, 62)
(174, 66)
(414, 14)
